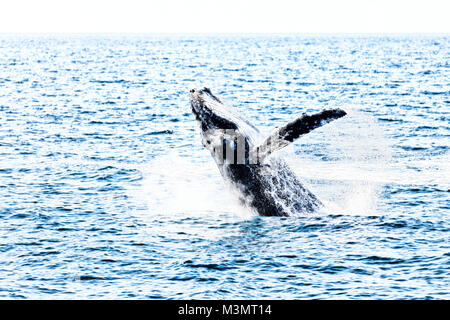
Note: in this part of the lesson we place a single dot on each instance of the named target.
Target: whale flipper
(284, 135)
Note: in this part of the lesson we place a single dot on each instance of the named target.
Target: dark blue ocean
(107, 192)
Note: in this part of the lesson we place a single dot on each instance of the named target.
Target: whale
(262, 180)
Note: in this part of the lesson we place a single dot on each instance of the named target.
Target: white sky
(225, 16)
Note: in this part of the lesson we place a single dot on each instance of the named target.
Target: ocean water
(106, 191)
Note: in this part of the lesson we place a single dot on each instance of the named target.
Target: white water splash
(349, 181)
(175, 184)
(350, 184)
(358, 155)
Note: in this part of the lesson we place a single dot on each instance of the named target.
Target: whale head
(210, 111)
(219, 123)
(213, 115)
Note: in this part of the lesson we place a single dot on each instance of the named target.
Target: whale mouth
(195, 102)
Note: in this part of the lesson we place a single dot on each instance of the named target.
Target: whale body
(264, 183)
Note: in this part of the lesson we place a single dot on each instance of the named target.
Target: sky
(226, 16)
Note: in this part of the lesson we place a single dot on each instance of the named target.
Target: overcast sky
(226, 16)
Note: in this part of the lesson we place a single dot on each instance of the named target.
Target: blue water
(107, 192)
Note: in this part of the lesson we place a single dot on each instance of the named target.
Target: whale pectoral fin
(284, 135)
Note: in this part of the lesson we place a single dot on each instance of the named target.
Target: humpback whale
(264, 183)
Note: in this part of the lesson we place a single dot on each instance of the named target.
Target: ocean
(106, 191)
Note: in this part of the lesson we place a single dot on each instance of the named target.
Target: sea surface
(106, 191)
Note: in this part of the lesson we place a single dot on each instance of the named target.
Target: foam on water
(175, 184)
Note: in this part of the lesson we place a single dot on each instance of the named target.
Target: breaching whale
(264, 183)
